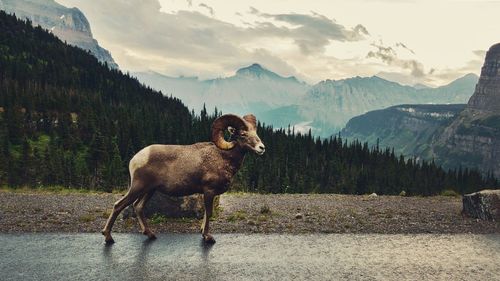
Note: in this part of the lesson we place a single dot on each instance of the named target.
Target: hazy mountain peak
(469, 76)
(465, 80)
(258, 71)
(255, 67)
(355, 80)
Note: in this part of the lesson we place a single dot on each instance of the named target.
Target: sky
(410, 42)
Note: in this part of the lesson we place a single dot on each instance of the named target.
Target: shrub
(237, 216)
(158, 219)
(264, 209)
(449, 192)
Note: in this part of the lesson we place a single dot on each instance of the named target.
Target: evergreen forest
(68, 120)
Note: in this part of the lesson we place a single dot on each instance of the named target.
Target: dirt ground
(31, 211)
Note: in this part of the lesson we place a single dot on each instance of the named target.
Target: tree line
(66, 119)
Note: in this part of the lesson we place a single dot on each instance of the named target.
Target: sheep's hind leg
(209, 203)
(139, 210)
(121, 204)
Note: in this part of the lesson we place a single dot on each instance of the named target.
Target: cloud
(311, 33)
(254, 11)
(184, 38)
(360, 29)
(399, 44)
(191, 43)
(388, 55)
(480, 53)
(449, 74)
(210, 9)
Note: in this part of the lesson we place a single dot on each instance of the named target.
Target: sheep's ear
(250, 118)
(232, 131)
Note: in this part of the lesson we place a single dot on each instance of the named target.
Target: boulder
(175, 207)
(484, 204)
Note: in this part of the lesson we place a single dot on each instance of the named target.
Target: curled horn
(250, 118)
(220, 125)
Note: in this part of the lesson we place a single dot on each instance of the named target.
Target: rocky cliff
(69, 24)
(473, 138)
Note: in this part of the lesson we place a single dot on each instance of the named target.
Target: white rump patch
(139, 160)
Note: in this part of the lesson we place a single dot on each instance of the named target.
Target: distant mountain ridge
(332, 103)
(69, 24)
(408, 128)
(280, 101)
(466, 136)
(251, 89)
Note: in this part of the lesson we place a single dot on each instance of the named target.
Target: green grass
(449, 192)
(87, 218)
(237, 216)
(182, 220)
(262, 218)
(158, 219)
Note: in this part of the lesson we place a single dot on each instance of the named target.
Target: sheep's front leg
(208, 197)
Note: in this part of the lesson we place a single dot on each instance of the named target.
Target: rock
(473, 138)
(69, 24)
(299, 216)
(373, 195)
(175, 207)
(484, 204)
(402, 193)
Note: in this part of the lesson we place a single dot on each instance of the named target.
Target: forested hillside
(66, 119)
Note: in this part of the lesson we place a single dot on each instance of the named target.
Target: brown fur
(180, 170)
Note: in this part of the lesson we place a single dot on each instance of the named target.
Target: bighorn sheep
(180, 170)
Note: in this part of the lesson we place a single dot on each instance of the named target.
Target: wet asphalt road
(250, 257)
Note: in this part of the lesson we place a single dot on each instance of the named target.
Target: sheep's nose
(262, 147)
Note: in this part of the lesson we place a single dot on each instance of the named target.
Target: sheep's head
(243, 132)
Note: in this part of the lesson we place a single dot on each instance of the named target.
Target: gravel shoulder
(32, 211)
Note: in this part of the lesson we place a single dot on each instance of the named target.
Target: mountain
(473, 138)
(69, 24)
(280, 101)
(409, 129)
(330, 104)
(67, 120)
(465, 136)
(421, 86)
(251, 89)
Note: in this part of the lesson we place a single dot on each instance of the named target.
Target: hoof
(209, 239)
(107, 237)
(109, 241)
(149, 234)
